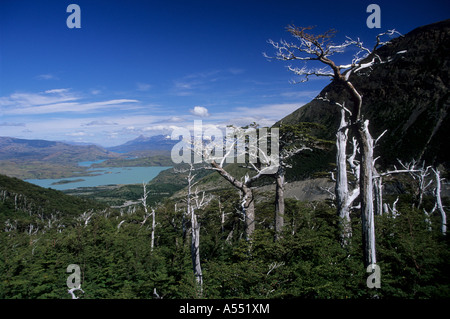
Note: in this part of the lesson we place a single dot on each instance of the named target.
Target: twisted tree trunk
(247, 204)
(341, 187)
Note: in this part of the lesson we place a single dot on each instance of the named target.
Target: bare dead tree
(344, 196)
(10, 226)
(85, 217)
(194, 202)
(147, 214)
(319, 48)
(250, 147)
(156, 295)
(391, 210)
(419, 173)
(439, 205)
(292, 140)
(217, 155)
(222, 218)
(72, 292)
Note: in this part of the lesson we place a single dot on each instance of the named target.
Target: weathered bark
(248, 209)
(378, 192)
(366, 186)
(195, 236)
(144, 203)
(341, 187)
(152, 245)
(195, 251)
(439, 205)
(279, 203)
(366, 143)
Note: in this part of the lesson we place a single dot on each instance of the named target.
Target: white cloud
(46, 77)
(199, 111)
(56, 91)
(76, 134)
(100, 123)
(54, 101)
(185, 85)
(143, 86)
(176, 119)
(236, 71)
(11, 124)
(34, 99)
(201, 81)
(264, 115)
(274, 111)
(163, 128)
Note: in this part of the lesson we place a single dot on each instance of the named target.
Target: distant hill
(409, 97)
(46, 159)
(19, 198)
(49, 151)
(159, 144)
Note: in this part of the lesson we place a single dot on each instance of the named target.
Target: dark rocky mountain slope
(408, 97)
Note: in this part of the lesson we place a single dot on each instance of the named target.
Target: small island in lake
(66, 181)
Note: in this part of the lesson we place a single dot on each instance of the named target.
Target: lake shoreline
(100, 177)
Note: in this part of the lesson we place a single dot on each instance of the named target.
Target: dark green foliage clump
(116, 260)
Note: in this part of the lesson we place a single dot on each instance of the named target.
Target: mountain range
(158, 143)
(24, 158)
(49, 151)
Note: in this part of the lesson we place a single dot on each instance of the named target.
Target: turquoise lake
(103, 176)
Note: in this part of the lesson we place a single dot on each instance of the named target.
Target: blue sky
(146, 67)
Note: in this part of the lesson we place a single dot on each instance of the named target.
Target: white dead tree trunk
(438, 201)
(319, 48)
(194, 202)
(247, 198)
(439, 205)
(195, 234)
(345, 197)
(222, 219)
(341, 172)
(85, 217)
(279, 203)
(417, 173)
(72, 292)
(147, 215)
(391, 210)
(377, 183)
(366, 182)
